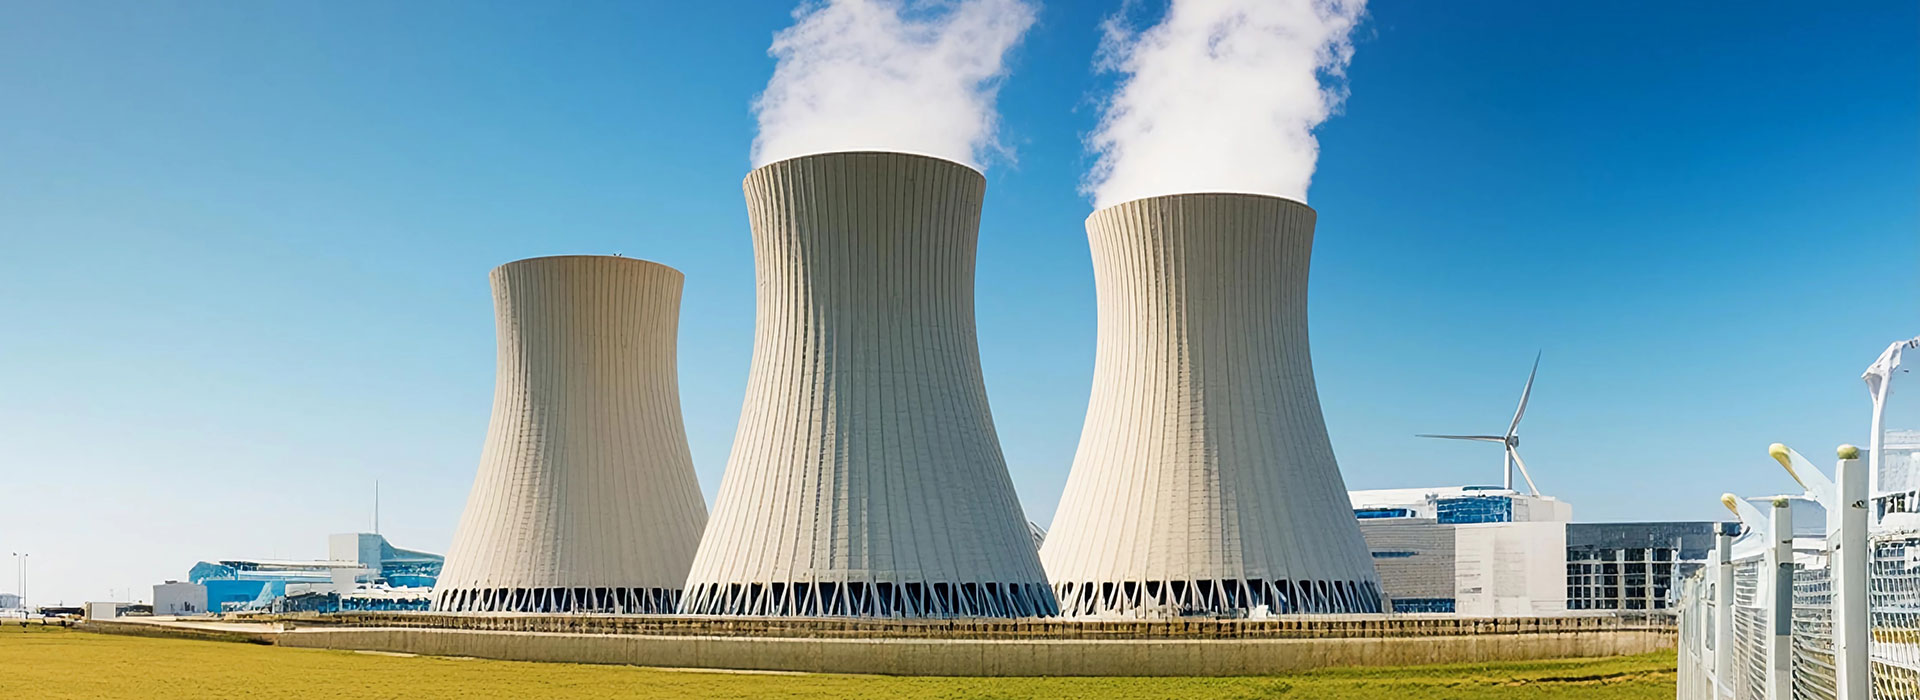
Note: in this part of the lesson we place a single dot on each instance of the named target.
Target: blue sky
(243, 248)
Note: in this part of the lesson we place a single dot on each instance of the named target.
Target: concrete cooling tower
(866, 478)
(1205, 482)
(586, 499)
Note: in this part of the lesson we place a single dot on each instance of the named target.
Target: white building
(101, 610)
(180, 598)
(1455, 505)
(1205, 482)
(1472, 550)
(1516, 569)
(1896, 493)
(586, 498)
(866, 478)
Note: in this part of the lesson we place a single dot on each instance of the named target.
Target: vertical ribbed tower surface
(866, 478)
(586, 498)
(1205, 481)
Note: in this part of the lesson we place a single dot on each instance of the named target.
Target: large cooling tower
(866, 478)
(586, 500)
(1205, 482)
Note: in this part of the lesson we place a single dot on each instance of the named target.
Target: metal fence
(1826, 613)
(1893, 639)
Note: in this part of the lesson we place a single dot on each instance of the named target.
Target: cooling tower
(586, 499)
(1205, 482)
(866, 478)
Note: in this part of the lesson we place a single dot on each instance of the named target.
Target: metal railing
(1780, 617)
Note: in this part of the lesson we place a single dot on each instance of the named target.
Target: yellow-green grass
(39, 662)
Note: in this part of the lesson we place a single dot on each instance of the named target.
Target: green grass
(56, 663)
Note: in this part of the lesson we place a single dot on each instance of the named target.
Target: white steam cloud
(917, 76)
(1221, 96)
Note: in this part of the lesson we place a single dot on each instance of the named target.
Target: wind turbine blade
(1524, 393)
(1479, 438)
(1515, 454)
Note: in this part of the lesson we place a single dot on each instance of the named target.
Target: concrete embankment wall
(1284, 627)
(140, 628)
(986, 657)
(946, 647)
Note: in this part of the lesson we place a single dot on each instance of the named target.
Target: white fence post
(1723, 672)
(1779, 646)
(1848, 555)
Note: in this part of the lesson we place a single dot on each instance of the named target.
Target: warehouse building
(1486, 550)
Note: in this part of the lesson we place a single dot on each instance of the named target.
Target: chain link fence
(1894, 618)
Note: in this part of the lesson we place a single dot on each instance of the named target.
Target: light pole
(20, 579)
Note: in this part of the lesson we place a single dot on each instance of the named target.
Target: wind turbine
(1511, 440)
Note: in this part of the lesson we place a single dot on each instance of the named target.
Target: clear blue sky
(244, 246)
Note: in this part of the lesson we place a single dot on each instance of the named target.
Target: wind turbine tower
(1511, 440)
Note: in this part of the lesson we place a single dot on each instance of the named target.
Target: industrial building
(1473, 550)
(356, 561)
(1459, 505)
(180, 598)
(585, 499)
(1204, 482)
(1895, 487)
(1489, 550)
(866, 478)
(1633, 566)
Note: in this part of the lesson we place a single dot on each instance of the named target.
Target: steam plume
(1221, 96)
(918, 76)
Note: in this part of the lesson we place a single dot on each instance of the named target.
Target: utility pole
(20, 576)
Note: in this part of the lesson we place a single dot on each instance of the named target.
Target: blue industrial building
(362, 571)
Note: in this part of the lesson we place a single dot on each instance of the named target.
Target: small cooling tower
(586, 500)
(1205, 482)
(866, 478)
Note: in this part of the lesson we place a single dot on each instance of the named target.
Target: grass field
(56, 663)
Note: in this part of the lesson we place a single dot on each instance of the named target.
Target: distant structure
(1896, 502)
(180, 598)
(1510, 442)
(359, 561)
(1459, 505)
(1633, 566)
(586, 499)
(1205, 482)
(1473, 550)
(866, 478)
(1487, 550)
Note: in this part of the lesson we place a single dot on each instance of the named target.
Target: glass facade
(1475, 509)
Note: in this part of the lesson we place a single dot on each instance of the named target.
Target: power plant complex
(866, 478)
(867, 522)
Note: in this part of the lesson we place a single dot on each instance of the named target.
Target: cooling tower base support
(617, 601)
(1155, 599)
(872, 599)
